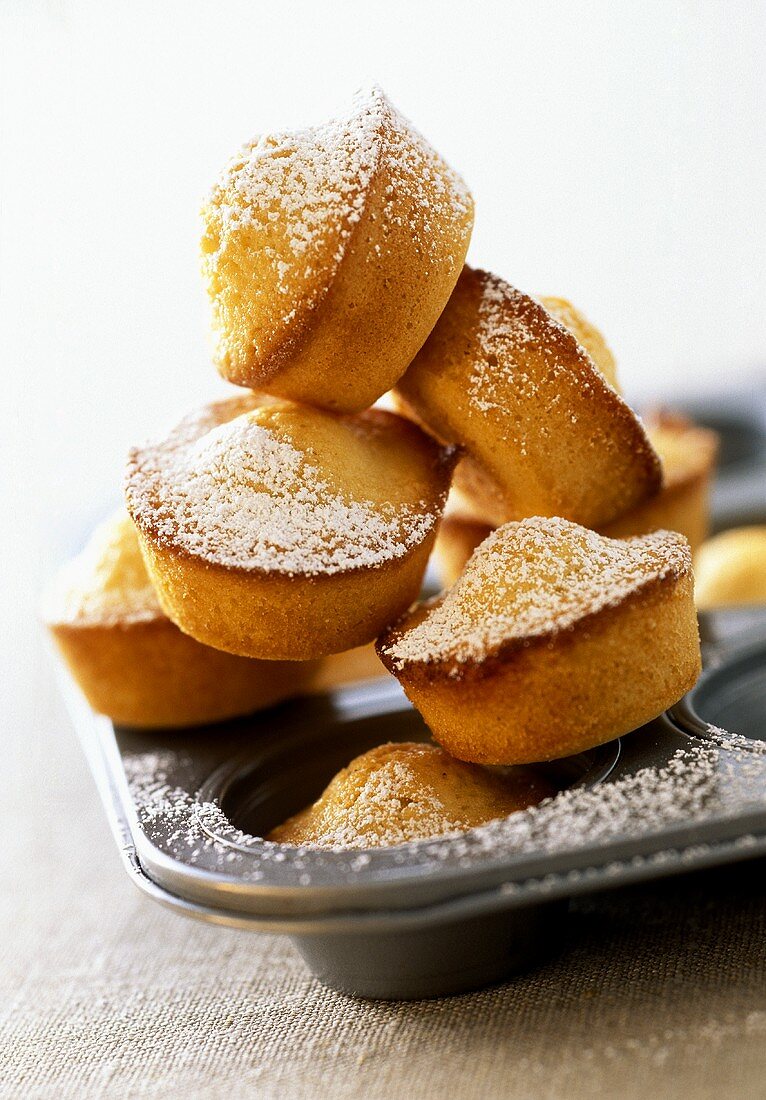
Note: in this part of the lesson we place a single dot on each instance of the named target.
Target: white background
(615, 151)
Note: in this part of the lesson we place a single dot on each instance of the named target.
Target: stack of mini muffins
(271, 537)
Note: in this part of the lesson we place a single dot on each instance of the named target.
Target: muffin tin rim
(406, 886)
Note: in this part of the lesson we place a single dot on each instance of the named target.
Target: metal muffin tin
(440, 916)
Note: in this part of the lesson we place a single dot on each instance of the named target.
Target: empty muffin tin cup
(730, 696)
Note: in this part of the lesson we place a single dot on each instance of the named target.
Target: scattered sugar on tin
(711, 778)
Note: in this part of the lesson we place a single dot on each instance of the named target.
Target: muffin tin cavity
(268, 784)
(730, 696)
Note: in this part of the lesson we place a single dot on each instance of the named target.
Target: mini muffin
(131, 662)
(730, 569)
(407, 791)
(283, 532)
(329, 253)
(544, 432)
(688, 453)
(555, 639)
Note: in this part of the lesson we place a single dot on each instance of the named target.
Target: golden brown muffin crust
(544, 433)
(306, 468)
(329, 254)
(408, 791)
(283, 532)
(730, 569)
(131, 662)
(555, 639)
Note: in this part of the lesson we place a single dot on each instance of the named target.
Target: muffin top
(106, 584)
(529, 580)
(408, 791)
(283, 214)
(260, 484)
(586, 334)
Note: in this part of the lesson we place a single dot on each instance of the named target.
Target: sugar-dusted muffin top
(531, 579)
(262, 484)
(408, 791)
(586, 334)
(106, 584)
(280, 219)
(510, 324)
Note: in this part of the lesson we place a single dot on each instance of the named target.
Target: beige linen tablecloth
(657, 992)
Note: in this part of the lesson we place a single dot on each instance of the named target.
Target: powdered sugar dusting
(511, 325)
(244, 497)
(314, 177)
(533, 578)
(504, 331)
(403, 791)
(384, 813)
(305, 191)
